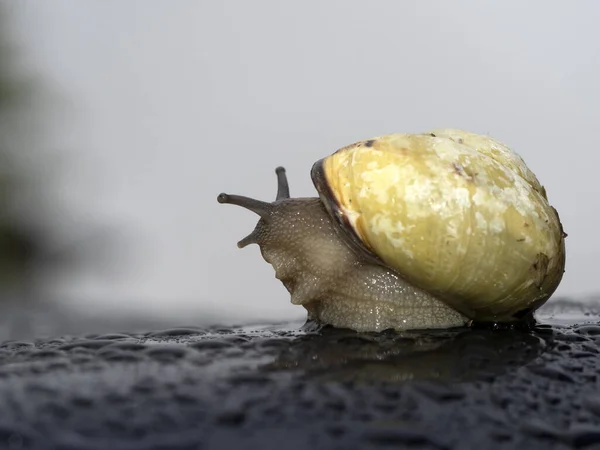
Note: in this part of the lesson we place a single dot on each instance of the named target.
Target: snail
(414, 231)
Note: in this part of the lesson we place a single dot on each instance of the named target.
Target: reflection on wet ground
(456, 355)
(293, 386)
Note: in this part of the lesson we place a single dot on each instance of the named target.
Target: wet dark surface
(279, 387)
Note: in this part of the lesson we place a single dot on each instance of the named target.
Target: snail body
(409, 231)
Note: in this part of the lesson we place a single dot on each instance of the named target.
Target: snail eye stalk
(283, 187)
(263, 209)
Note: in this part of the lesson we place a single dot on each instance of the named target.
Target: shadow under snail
(431, 230)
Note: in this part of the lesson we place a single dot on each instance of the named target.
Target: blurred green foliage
(40, 237)
(19, 243)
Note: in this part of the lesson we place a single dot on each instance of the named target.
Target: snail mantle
(431, 230)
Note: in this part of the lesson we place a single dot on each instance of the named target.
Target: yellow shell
(455, 213)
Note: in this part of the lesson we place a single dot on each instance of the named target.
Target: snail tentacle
(283, 187)
(252, 238)
(263, 209)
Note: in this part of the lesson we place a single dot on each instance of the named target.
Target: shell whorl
(455, 213)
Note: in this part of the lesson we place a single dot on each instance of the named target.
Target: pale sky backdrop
(165, 104)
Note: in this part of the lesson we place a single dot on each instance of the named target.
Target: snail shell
(455, 213)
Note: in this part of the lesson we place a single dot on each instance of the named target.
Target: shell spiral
(456, 213)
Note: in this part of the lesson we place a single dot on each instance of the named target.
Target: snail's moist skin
(337, 285)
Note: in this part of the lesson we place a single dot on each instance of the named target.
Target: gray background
(161, 105)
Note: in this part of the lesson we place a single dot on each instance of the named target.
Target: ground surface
(282, 388)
